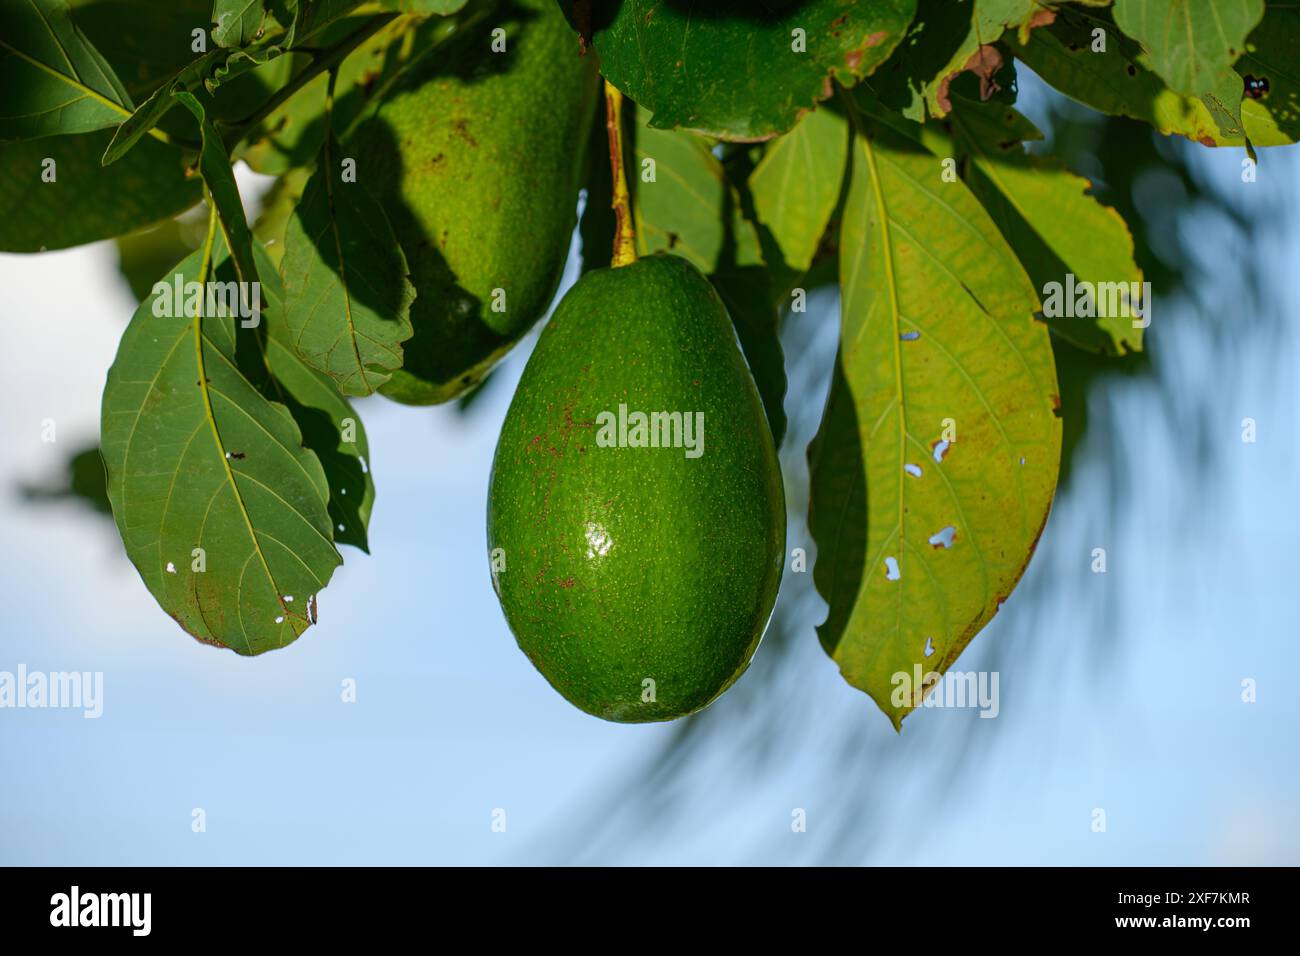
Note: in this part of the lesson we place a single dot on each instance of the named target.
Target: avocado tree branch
(624, 233)
(329, 61)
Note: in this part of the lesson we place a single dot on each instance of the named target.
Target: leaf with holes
(936, 460)
(54, 79)
(1115, 79)
(347, 292)
(1192, 45)
(682, 202)
(1271, 109)
(1060, 232)
(797, 182)
(221, 508)
(742, 71)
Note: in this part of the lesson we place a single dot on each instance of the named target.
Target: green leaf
(151, 112)
(214, 165)
(689, 208)
(1271, 109)
(424, 8)
(347, 288)
(209, 71)
(54, 79)
(797, 182)
(157, 45)
(330, 427)
(1192, 45)
(86, 202)
(1048, 216)
(145, 254)
(197, 457)
(743, 71)
(295, 131)
(326, 418)
(1114, 80)
(919, 542)
(936, 34)
(312, 16)
(238, 23)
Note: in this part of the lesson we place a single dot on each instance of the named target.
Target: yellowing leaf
(1055, 227)
(935, 464)
(1192, 45)
(1115, 79)
(1271, 109)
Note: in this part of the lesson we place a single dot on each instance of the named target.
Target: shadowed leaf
(692, 210)
(797, 182)
(86, 202)
(54, 80)
(347, 292)
(735, 69)
(1047, 215)
(1116, 79)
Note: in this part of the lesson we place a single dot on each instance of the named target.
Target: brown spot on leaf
(984, 62)
(1040, 19)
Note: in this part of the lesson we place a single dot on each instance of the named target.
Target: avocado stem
(624, 234)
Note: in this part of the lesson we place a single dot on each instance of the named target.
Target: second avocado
(636, 518)
(478, 160)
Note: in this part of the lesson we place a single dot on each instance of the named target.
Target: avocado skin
(477, 158)
(630, 563)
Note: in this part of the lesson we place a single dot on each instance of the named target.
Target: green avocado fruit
(477, 157)
(636, 517)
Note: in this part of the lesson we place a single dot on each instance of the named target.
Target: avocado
(636, 517)
(477, 157)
